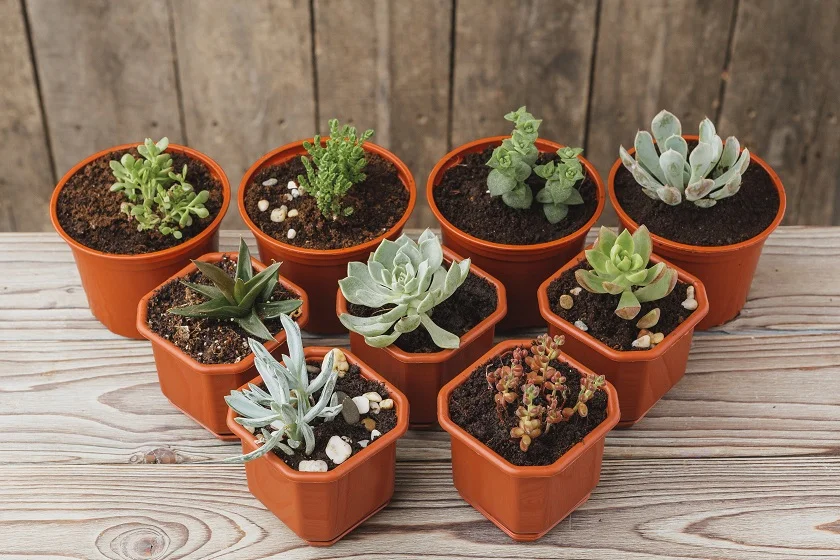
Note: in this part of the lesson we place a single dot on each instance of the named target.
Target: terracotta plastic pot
(199, 389)
(323, 507)
(520, 268)
(420, 376)
(318, 271)
(113, 283)
(726, 271)
(641, 377)
(524, 502)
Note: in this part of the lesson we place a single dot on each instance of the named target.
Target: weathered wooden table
(740, 460)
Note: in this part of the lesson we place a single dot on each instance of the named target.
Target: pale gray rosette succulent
(667, 172)
(404, 281)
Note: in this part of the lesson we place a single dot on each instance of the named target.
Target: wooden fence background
(235, 79)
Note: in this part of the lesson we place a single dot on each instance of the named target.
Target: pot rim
(703, 249)
(217, 369)
(359, 458)
(531, 471)
(544, 146)
(154, 256)
(468, 337)
(626, 355)
(296, 149)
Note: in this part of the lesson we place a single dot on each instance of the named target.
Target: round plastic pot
(323, 507)
(420, 376)
(641, 377)
(318, 270)
(524, 502)
(199, 389)
(520, 268)
(726, 271)
(114, 283)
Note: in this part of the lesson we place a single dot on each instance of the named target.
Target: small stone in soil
(373, 396)
(313, 466)
(369, 424)
(348, 408)
(278, 214)
(642, 342)
(291, 234)
(262, 205)
(657, 338)
(363, 443)
(575, 291)
(689, 292)
(581, 325)
(375, 434)
(295, 193)
(270, 182)
(292, 213)
(338, 450)
(386, 404)
(362, 404)
(690, 304)
(291, 185)
(566, 301)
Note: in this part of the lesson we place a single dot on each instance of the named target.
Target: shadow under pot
(520, 267)
(114, 282)
(640, 376)
(525, 502)
(317, 269)
(420, 375)
(725, 270)
(323, 507)
(198, 389)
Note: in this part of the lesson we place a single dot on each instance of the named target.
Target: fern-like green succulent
(513, 161)
(157, 196)
(333, 169)
(407, 280)
(619, 265)
(667, 172)
(285, 413)
(244, 299)
(560, 179)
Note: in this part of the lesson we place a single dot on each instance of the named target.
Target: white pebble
(373, 396)
(291, 234)
(313, 466)
(374, 407)
(581, 325)
(689, 292)
(338, 450)
(292, 213)
(262, 205)
(279, 214)
(642, 342)
(363, 443)
(386, 404)
(270, 182)
(295, 193)
(362, 404)
(690, 304)
(291, 185)
(287, 197)
(375, 434)
(575, 291)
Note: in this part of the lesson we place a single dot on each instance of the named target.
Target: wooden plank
(378, 68)
(737, 509)
(530, 53)
(27, 179)
(246, 77)
(783, 99)
(107, 74)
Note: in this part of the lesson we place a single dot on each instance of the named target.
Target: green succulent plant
(619, 267)
(333, 169)
(667, 172)
(406, 280)
(157, 196)
(244, 299)
(285, 413)
(560, 179)
(513, 161)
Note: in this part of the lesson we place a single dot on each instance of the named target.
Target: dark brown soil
(597, 311)
(462, 198)
(732, 220)
(472, 407)
(208, 341)
(354, 385)
(90, 213)
(379, 202)
(472, 302)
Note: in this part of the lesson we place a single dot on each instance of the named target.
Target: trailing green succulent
(244, 299)
(405, 280)
(619, 265)
(513, 161)
(332, 170)
(560, 179)
(157, 196)
(285, 413)
(667, 172)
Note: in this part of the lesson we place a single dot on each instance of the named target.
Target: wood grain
(27, 179)
(107, 74)
(783, 99)
(246, 77)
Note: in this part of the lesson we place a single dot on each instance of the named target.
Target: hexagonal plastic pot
(199, 389)
(641, 377)
(322, 507)
(421, 375)
(524, 502)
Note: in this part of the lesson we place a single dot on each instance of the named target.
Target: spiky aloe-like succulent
(157, 196)
(405, 280)
(667, 172)
(513, 161)
(540, 388)
(244, 299)
(285, 413)
(560, 179)
(332, 170)
(619, 267)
